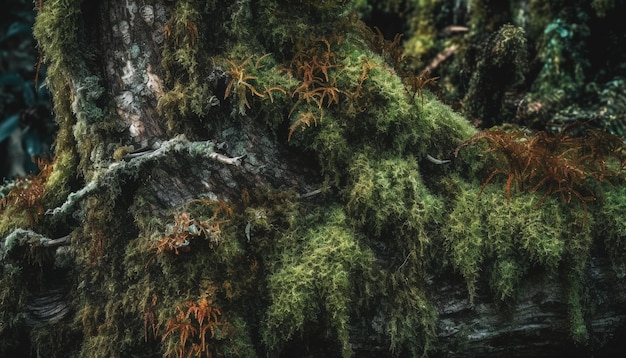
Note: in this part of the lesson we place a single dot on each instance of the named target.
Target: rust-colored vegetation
(194, 327)
(28, 193)
(186, 228)
(316, 67)
(565, 164)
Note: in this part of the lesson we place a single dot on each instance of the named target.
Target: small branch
(406, 259)
(432, 159)
(20, 237)
(236, 161)
(136, 163)
(138, 153)
(310, 194)
(442, 56)
(453, 29)
(64, 240)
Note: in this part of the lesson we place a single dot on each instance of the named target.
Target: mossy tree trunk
(206, 197)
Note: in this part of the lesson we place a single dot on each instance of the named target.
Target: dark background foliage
(26, 121)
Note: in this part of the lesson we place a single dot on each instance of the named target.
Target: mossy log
(255, 179)
(534, 325)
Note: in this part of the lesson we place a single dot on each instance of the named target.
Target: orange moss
(186, 228)
(312, 65)
(563, 163)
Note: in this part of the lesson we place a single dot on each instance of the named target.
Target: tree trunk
(211, 196)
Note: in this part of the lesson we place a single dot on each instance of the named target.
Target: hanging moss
(511, 236)
(314, 277)
(186, 67)
(612, 228)
(388, 196)
(64, 63)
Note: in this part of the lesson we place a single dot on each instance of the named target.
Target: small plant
(305, 120)
(314, 65)
(241, 83)
(193, 327)
(186, 228)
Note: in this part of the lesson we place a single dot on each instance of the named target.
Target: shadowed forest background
(312, 178)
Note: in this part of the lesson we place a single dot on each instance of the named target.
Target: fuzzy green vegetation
(166, 288)
(375, 112)
(510, 237)
(186, 69)
(197, 59)
(423, 29)
(281, 26)
(611, 226)
(388, 196)
(315, 280)
(61, 53)
(507, 240)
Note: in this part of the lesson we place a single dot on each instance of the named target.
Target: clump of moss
(612, 228)
(186, 67)
(315, 277)
(61, 53)
(387, 196)
(509, 237)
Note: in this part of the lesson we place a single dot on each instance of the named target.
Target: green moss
(12, 218)
(579, 241)
(362, 257)
(387, 195)
(187, 67)
(444, 130)
(510, 236)
(56, 31)
(611, 226)
(412, 318)
(314, 277)
(423, 30)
